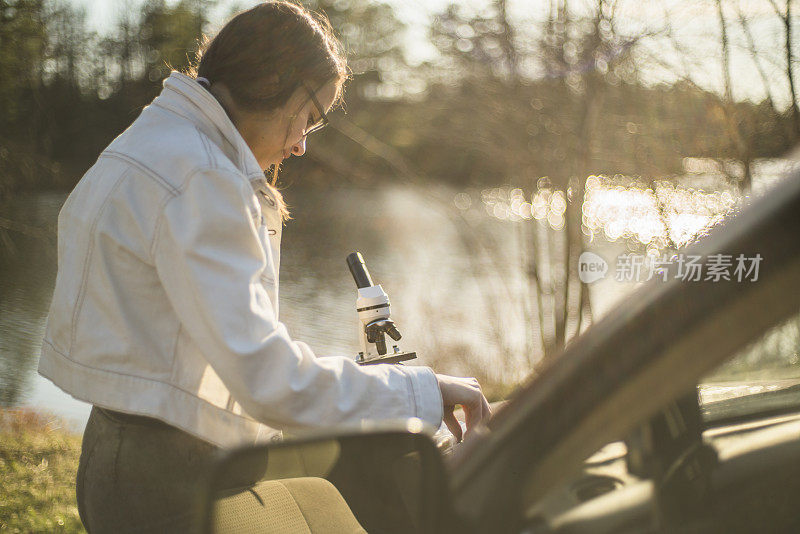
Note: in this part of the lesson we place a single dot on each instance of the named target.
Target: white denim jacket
(166, 298)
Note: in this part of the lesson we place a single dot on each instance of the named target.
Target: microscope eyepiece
(359, 270)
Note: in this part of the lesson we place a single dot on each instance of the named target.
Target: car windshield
(763, 377)
(760, 379)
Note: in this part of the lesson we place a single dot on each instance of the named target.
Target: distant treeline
(476, 115)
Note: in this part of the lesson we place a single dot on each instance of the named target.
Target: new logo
(591, 267)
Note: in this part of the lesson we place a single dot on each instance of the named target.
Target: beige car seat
(286, 506)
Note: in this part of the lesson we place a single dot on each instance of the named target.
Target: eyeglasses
(323, 118)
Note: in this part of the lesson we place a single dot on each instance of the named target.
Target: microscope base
(389, 358)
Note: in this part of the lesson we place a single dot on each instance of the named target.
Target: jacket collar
(184, 96)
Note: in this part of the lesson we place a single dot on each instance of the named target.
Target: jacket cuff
(426, 395)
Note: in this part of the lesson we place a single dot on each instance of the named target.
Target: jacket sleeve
(209, 259)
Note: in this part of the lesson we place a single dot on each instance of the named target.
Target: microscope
(372, 306)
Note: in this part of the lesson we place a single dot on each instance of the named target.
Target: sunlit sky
(694, 25)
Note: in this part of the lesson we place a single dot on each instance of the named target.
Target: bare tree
(785, 15)
(755, 55)
(733, 122)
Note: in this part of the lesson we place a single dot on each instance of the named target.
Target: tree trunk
(790, 68)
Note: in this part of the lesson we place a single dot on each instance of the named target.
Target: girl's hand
(466, 392)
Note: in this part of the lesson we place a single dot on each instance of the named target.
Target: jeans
(138, 474)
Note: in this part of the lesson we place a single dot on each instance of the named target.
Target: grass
(38, 463)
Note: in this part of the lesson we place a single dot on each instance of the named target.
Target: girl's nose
(299, 148)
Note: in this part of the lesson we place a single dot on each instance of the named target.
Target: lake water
(463, 310)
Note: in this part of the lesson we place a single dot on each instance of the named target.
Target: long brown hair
(264, 54)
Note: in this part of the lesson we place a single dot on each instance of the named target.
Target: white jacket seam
(144, 168)
(148, 379)
(160, 218)
(162, 208)
(88, 258)
(212, 159)
(212, 162)
(190, 176)
(175, 353)
(413, 392)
